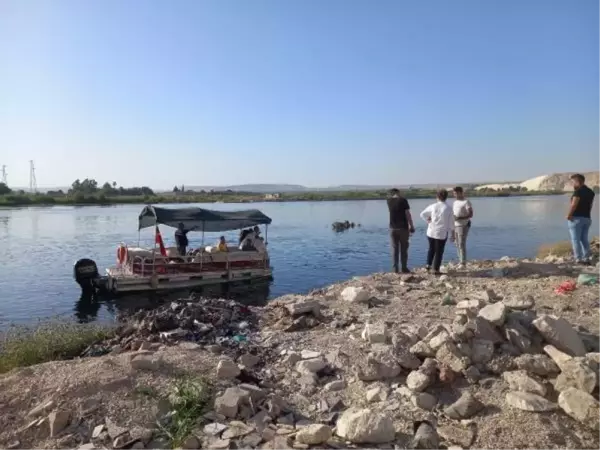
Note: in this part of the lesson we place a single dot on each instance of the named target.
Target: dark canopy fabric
(198, 219)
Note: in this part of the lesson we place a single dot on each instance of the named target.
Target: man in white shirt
(463, 213)
(440, 220)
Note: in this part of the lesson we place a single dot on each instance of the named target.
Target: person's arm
(450, 224)
(470, 209)
(574, 203)
(426, 214)
(409, 219)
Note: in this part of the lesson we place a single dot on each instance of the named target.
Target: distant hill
(283, 188)
(552, 182)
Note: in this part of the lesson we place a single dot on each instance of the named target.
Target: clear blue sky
(315, 92)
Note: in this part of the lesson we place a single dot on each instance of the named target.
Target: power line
(32, 180)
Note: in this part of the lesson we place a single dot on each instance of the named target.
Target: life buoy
(121, 254)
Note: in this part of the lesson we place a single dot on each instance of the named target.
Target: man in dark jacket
(401, 226)
(181, 239)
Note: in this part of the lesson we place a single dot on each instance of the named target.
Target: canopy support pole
(154, 251)
(139, 239)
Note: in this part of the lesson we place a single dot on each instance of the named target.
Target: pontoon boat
(161, 268)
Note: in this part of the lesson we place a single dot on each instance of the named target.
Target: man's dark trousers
(399, 239)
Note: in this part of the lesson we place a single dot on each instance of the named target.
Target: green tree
(4, 189)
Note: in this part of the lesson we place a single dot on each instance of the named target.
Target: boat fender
(122, 253)
(85, 273)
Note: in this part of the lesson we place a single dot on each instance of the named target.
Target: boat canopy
(199, 219)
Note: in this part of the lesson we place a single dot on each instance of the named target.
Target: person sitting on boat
(181, 239)
(243, 235)
(222, 245)
(248, 243)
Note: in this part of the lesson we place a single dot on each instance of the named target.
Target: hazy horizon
(343, 92)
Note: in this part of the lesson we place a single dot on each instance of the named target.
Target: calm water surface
(39, 246)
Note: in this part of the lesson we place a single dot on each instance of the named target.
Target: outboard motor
(86, 274)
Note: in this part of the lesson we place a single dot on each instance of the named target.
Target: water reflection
(87, 307)
(89, 304)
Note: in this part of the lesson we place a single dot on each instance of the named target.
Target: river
(38, 246)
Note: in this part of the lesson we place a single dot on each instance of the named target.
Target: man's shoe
(406, 270)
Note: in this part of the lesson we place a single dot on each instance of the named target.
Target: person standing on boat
(440, 227)
(181, 239)
(579, 219)
(463, 213)
(401, 226)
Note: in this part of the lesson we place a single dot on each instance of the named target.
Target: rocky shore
(503, 354)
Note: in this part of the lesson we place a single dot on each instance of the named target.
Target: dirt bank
(490, 357)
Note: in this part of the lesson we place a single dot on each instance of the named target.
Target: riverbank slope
(492, 357)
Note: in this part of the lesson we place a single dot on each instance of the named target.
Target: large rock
(380, 364)
(424, 400)
(576, 374)
(229, 403)
(227, 369)
(304, 307)
(452, 357)
(558, 332)
(517, 334)
(439, 339)
(425, 436)
(353, 294)
(422, 350)
(518, 380)
(314, 434)
(145, 361)
(418, 381)
(494, 313)
(375, 333)
(484, 330)
(363, 426)
(581, 406)
(519, 302)
(58, 421)
(407, 360)
(527, 401)
(465, 407)
(537, 364)
(311, 365)
(560, 358)
(481, 351)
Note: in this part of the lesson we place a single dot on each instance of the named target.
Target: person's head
(458, 192)
(394, 192)
(578, 180)
(222, 239)
(181, 226)
(256, 230)
(442, 195)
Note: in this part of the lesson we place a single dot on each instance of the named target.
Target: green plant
(22, 346)
(189, 400)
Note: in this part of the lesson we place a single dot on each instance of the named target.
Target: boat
(161, 268)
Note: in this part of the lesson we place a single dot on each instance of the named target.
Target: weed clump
(189, 400)
(22, 346)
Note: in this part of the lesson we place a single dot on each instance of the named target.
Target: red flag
(159, 241)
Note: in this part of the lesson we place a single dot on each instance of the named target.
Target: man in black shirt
(181, 239)
(401, 225)
(580, 218)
